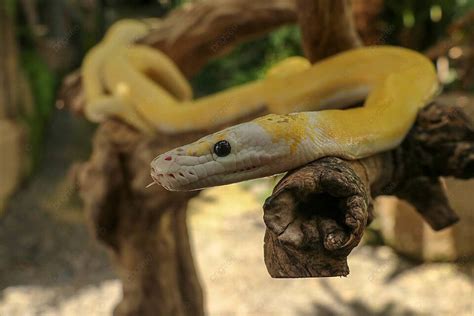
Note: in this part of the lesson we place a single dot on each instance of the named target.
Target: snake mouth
(242, 170)
(222, 179)
(167, 179)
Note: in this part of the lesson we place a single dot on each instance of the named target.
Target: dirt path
(43, 240)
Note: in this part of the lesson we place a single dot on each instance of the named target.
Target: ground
(50, 265)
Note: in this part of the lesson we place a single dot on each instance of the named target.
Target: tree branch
(317, 214)
(204, 30)
(327, 28)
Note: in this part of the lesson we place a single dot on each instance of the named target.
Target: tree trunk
(145, 229)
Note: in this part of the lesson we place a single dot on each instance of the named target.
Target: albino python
(145, 88)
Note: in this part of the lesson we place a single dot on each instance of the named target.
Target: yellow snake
(395, 82)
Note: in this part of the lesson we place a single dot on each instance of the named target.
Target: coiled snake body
(395, 83)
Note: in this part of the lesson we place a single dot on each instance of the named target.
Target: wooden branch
(327, 27)
(317, 213)
(314, 218)
(440, 144)
(203, 30)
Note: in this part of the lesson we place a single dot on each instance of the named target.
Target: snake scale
(309, 104)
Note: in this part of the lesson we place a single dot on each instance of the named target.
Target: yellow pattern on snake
(144, 87)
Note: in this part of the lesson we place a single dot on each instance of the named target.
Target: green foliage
(420, 23)
(413, 23)
(40, 79)
(173, 4)
(373, 235)
(248, 61)
(10, 6)
(43, 83)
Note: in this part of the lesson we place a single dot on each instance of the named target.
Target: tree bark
(327, 27)
(144, 229)
(212, 28)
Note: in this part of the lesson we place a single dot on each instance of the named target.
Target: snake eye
(222, 148)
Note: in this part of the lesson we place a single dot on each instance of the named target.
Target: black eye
(222, 148)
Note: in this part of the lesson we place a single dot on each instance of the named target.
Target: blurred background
(49, 263)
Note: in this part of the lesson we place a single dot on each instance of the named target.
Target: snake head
(242, 152)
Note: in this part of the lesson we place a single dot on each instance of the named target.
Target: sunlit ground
(227, 228)
(50, 266)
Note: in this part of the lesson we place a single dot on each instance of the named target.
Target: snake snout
(166, 172)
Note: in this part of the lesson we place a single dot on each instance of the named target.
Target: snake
(311, 106)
